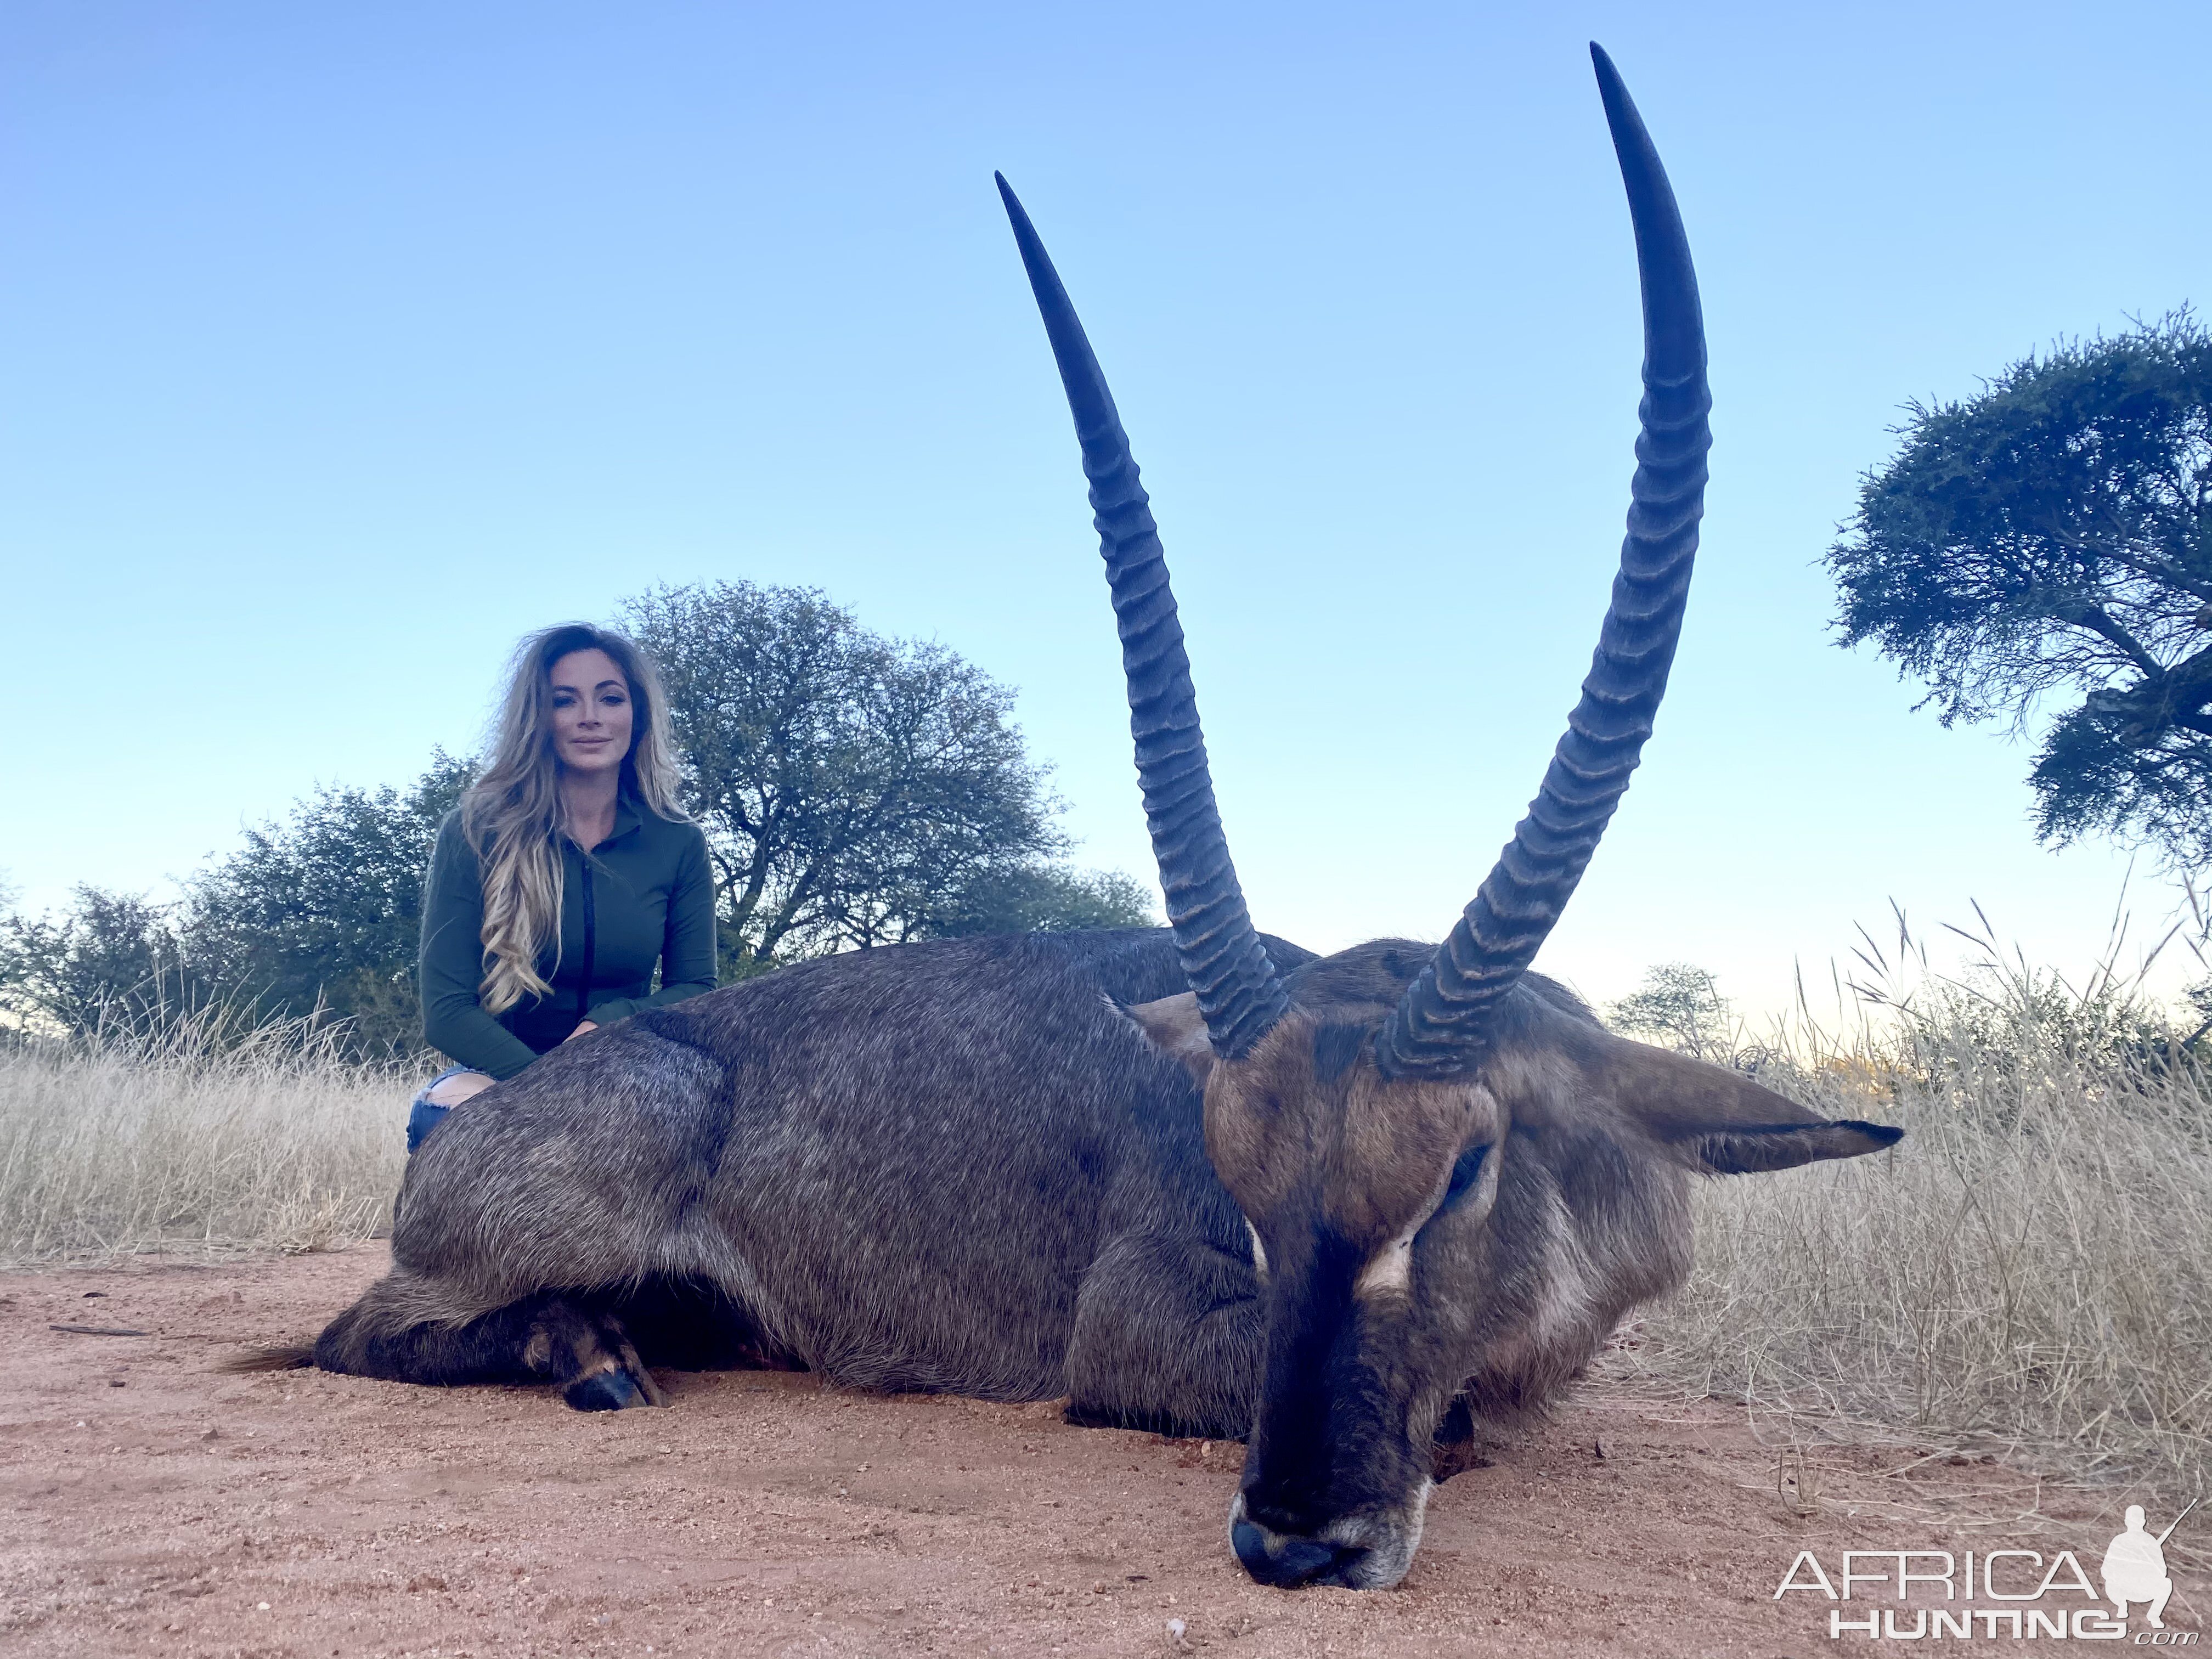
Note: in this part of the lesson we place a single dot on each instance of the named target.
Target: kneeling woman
(566, 874)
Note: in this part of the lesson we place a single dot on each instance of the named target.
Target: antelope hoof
(604, 1391)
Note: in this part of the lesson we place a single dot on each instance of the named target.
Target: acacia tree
(324, 907)
(855, 790)
(2054, 535)
(1678, 1006)
(111, 961)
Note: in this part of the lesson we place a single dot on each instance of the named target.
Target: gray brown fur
(947, 1166)
(981, 1166)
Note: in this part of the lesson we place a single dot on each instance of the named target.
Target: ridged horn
(1223, 958)
(1442, 1026)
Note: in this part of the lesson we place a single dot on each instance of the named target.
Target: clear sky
(341, 345)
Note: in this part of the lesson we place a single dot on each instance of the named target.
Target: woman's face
(591, 712)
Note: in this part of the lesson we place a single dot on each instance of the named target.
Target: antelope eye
(1464, 1173)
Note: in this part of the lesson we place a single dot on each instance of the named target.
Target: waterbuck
(1350, 1209)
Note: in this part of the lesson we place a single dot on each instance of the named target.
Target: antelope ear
(1176, 1028)
(1783, 1146)
(1723, 1123)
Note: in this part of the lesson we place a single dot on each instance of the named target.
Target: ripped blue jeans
(423, 1115)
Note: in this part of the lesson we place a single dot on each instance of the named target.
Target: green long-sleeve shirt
(643, 897)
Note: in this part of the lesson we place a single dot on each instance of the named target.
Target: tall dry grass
(2029, 1273)
(194, 1132)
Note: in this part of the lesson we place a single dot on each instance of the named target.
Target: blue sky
(343, 345)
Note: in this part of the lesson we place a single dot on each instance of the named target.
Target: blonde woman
(566, 876)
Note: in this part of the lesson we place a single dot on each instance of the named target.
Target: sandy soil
(154, 1504)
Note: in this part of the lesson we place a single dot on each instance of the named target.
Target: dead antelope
(1349, 1209)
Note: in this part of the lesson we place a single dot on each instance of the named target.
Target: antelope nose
(1286, 1561)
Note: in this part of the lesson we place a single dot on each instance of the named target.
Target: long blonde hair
(510, 815)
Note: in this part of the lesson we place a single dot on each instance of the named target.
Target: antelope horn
(1443, 1024)
(1222, 957)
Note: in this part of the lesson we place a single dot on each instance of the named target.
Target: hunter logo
(2017, 1594)
(2134, 1566)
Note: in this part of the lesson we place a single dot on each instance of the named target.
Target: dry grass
(196, 1135)
(2028, 1274)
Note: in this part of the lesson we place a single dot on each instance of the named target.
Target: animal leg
(1168, 1337)
(593, 1352)
(403, 1330)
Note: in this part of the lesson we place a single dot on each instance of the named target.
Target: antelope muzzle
(1335, 1482)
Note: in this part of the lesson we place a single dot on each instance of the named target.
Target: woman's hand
(582, 1026)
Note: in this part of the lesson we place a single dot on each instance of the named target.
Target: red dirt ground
(156, 1505)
